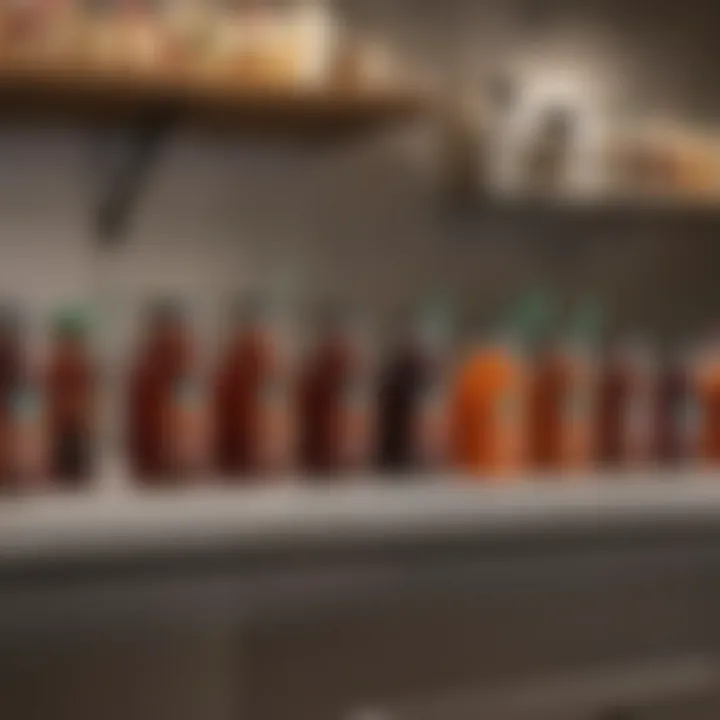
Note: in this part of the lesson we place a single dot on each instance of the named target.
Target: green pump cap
(587, 323)
(530, 319)
(433, 318)
(70, 323)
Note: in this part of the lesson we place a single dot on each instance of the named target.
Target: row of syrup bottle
(263, 414)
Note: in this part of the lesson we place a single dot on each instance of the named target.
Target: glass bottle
(490, 399)
(412, 400)
(562, 396)
(70, 391)
(252, 396)
(335, 413)
(627, 407)
(168, 424)
(23, 440)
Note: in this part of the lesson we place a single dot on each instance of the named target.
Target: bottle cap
(529, 321)
(586, 324)
(70, 324)
(432, 321)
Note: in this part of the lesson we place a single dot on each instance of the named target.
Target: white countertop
(113, 519)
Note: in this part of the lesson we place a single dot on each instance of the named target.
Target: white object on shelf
(315, 31)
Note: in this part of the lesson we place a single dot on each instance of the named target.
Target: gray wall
(362, 221)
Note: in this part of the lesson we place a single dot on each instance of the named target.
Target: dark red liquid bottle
(627, 408)
(335, 403)
(412, 403)
(70, 385)
(253, 434)
(678, 407)
(167, 415)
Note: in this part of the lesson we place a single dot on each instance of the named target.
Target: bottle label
(431, 394)
(638, 424)
(506, 409)
(577, 405)
(428, 423)
(186, 393)
(187, 430)
(273, 392)
(27, 443)
(356, 392)
(355, 433)
(274, 435)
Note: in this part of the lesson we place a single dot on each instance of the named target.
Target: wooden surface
(41, 92)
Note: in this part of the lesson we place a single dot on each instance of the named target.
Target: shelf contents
(167, 424)
(679, 403)
(335, 400)
(627, 399)
(562, 410)
(70, 389)
(412, 433)
(24, 461)
(488, 414)
(266, 63)
(566, 148)
(530, 397)
(705, 418)
(254, 433)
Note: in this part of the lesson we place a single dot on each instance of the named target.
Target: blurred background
(364, 219)
(377, 155)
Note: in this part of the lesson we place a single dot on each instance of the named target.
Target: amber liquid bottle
(412, 403)
(70, 386)
(253, 433)
(562, 398)
(168, 429)
(560, 412)
(335, 413)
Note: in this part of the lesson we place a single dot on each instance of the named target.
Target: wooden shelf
(40, 93)
(598, 213)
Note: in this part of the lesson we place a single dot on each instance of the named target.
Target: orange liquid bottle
(488, 412)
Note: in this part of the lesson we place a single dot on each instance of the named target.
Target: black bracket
(124, 159)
